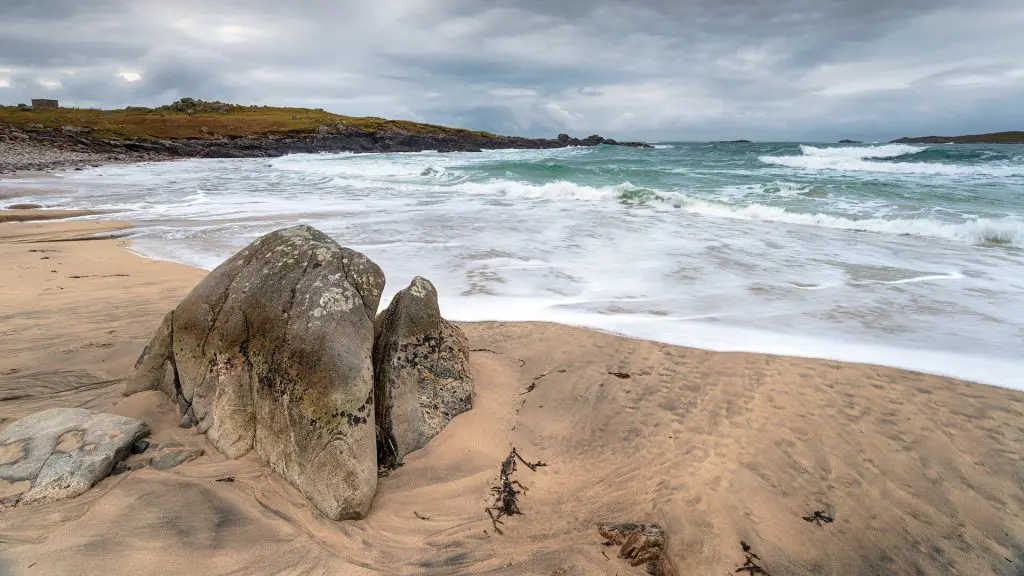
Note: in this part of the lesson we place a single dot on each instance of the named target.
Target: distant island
(845, 141)
(48, 136)
(993, 138)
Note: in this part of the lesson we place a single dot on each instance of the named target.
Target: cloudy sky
(652, 69)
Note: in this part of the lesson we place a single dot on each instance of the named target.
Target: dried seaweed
(538, 379)
(750, 565)
(819, 517)
(506, 493)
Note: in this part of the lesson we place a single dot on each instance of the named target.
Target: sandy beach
(922, 474)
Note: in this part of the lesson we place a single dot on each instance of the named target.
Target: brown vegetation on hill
(200, 120)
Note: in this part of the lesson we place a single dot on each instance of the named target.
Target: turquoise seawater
(905, 255)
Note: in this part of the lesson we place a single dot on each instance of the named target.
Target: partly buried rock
(174, 454)
(640, 544)
(60, 453)
(272, 351)
(422, 372)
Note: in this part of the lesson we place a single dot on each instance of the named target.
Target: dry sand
(923, 474)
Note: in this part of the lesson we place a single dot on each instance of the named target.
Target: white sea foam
(979, 231)
(369, 166)
(874, 159)
(710, 333)
(558, 190)
(912, 280)
(884, 151)
(703, 254)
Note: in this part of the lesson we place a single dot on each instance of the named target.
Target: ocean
(901, 255)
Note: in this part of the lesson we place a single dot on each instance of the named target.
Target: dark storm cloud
(801, 69)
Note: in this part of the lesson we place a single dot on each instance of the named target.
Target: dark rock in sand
(640, 544)
(119, 468)
(60, 453)
(272, 352)
(422, 372)
(140, 447)
(24, 206)
(173, 454)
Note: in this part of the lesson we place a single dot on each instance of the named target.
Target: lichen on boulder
(272, 352)
(422, 373)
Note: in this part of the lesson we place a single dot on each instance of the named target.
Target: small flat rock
(60, 453)
(173, 454)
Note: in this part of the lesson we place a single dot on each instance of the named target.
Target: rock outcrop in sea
(274, 352)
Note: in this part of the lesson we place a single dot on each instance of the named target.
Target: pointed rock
(422, 375)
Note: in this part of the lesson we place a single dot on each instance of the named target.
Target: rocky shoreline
(40, 149)
(1014, 137)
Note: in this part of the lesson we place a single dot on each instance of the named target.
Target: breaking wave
(885, 159)
(884, 151)
(558, 190)
(1005, 232)
(981, 231)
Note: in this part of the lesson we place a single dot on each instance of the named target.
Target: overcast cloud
(664, 69)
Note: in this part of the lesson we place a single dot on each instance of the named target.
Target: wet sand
(34, 214)
(922, 474)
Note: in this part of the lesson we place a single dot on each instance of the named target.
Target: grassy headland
(1016, 137)
(200, 120)
(44, 138)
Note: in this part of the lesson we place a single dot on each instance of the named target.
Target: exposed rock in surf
(422, 375)
(60, 453)
(272, 352)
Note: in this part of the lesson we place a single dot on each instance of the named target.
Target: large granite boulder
(60, 453)
(422, 372)
(272, 352)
